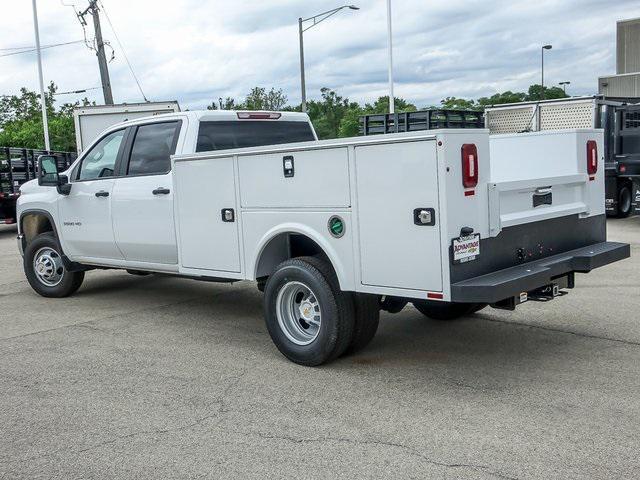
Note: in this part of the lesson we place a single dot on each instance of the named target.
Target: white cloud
(196, 51)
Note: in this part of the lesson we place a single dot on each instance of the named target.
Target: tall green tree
(21, 120)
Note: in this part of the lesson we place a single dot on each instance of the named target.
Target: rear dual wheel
(310, 320)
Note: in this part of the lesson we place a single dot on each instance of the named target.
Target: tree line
(332, 114)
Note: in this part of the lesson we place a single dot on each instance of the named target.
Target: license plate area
(465, 249)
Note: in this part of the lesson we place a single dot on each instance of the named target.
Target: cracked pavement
(155, 377)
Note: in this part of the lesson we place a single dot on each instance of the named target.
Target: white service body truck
(333, 230)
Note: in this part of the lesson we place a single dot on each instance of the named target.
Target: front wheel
(45, 270)
(446, 310)
(308, 318)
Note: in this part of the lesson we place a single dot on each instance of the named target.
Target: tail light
(259, 115)
(469, 165)
(592, 158)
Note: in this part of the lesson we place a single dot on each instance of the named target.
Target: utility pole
(102, 60)
(43, 100)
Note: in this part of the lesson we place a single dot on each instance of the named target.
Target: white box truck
(90, 121)
(332, 231)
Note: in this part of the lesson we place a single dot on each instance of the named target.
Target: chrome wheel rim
(48, 267)
(299, 314)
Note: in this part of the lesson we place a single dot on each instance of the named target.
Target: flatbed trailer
(429, 119)
(17, 166)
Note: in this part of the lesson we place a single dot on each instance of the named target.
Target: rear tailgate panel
(542, 175)
(541, 201)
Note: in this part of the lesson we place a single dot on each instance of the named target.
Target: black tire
(445, 310)
(366, 321)
(337, 324)
(624, 202)
(392, 304)
(69, 282)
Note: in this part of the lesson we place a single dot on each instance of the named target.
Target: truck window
(241, 134)
(152, 147)
(101, 160)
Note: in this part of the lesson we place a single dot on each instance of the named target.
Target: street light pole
(392, 99)
(545, 47)
(43, 101)
(564, 86)
(316, 19)
(303, 87)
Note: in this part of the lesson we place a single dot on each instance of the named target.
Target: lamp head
(547, 47)
(353, 7)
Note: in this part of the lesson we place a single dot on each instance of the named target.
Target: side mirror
(47, 171)
(48, 175)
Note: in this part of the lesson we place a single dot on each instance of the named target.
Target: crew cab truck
(332, 231)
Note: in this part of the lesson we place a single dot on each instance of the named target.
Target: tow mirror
(47, 171)
(48, 175)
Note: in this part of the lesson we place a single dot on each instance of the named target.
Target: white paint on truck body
(373, 183)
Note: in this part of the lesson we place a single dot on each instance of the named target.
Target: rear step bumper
(510, 282)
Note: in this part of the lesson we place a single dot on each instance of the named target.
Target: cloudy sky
(195, 51)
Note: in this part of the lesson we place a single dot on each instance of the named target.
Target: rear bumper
(510, 282)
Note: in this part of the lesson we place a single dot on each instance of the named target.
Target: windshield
(241, 134)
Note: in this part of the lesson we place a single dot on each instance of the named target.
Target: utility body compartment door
(205, 191)
(307, 178)
(393, 181)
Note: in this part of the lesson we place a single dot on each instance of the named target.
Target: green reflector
(337, 227)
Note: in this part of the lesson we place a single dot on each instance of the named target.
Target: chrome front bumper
(20, 240)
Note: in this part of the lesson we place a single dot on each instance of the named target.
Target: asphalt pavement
(157, 377)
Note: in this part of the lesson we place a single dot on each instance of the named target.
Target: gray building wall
(628, 46)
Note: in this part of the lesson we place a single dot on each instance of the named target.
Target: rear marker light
(435, 296)
(592, 159)
(469, 166)
(469, 193)
(259, 115)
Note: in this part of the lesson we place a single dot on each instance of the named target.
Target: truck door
(142, 200)
(85, 214)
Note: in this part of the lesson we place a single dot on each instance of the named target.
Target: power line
(33, 49)
(124, 53)
(77, 91)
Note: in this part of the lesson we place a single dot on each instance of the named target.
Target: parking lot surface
(155, 377)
